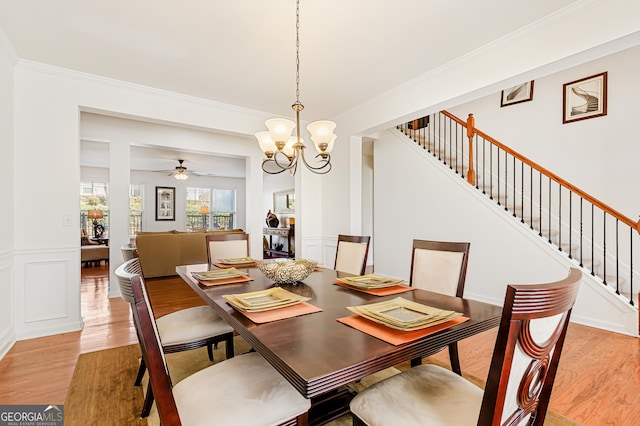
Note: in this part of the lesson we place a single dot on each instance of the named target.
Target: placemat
(384, 291)
(235, 265)
(392, 336)
(235, 280)
(303, 308)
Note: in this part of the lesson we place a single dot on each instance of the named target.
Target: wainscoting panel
(47, 292)
(329, 250)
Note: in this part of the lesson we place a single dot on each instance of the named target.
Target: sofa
(92, 252)
(161, 252)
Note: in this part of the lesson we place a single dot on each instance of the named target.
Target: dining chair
(245, 390)
(523, 368)
(351, 254)
(128, 252)
(440, 266)
(179, 331)
(227, 246)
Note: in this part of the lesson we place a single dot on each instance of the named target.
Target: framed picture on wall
(584, 98)
(517, 94)
(165, 203)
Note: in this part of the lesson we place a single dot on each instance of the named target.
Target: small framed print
(517, 94)
(584, 98)
(165, 203)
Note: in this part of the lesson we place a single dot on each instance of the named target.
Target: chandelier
(282, 150)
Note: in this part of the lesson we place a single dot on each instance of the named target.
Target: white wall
(598, 155)
(532, 52)
(7, 61)
(424, 200)
(47, 277)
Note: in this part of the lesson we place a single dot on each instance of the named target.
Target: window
(136, 195)
(210, 208)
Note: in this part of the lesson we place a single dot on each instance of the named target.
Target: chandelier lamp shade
(282, 150)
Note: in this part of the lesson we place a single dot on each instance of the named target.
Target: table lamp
(204, 211)
(95, 215)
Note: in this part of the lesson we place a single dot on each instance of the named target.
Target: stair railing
(599, 238)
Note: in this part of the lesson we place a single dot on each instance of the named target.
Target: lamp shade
(331, 142)
(204, 210)
(321, 134)
(280, 129)
(288, 148)
(94, 214)
(267, 145)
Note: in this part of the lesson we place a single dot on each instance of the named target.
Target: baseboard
(7, 340)
(66, 327)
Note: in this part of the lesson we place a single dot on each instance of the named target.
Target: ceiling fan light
(181, 175)
(280, 129)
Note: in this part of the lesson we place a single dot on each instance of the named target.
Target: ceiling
(242, 52)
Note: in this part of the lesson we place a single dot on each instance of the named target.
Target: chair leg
(357, 421)
(415, 362)
(453, 357)
(148, 403)
(210, 351)
(228, 346)
(303, 419)
(141, 370)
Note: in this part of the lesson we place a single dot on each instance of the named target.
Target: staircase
(597, 237)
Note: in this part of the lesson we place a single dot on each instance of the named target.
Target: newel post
(471, 174)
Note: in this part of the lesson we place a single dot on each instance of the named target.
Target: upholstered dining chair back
(227, 246)
(351, 254)
(527, 351)
(244, 390)
(124, 273)
(523, 367)
(153, 355)
(439, 266)
(178, 331)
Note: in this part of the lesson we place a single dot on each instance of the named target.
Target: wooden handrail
(607, 209)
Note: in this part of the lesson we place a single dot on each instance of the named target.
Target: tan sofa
(161, 252)
(90, 254)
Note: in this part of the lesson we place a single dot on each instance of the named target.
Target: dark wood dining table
(319, 355)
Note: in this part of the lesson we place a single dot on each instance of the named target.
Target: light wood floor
(598, 381)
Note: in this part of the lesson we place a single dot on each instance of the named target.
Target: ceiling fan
(181, 172)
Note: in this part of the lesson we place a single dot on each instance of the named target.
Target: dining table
(318, 354)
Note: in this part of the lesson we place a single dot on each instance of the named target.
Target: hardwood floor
(598, 381)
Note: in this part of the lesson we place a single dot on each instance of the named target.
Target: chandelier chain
(297, 51)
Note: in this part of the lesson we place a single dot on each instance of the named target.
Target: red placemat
(391, 335)
(236, 280)
(385, 291)
(235, 265)
(303, 308)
